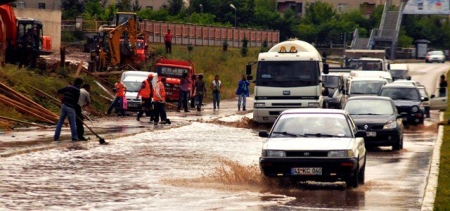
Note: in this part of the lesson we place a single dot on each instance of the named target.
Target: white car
(435, 56)
(314, 144)
(407, 82)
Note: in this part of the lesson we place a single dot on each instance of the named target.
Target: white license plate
(371, 134)
(307, 171)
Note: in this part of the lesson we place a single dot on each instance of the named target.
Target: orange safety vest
(146, 92)
(160, 93)
(120, 89)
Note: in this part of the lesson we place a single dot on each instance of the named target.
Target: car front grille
(370, 126)
(306, 153)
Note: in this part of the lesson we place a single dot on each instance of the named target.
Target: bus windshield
(287, 73)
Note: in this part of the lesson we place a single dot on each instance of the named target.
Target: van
(399, 71)
(133, 82)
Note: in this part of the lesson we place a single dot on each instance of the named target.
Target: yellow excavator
(115, 46)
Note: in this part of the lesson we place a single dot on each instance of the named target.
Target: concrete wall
(51, 21)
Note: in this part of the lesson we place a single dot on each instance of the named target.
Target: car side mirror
(263, 133)
(408, 78)
(361, 133)
(432, 96)
(248, 69)
(326, 69)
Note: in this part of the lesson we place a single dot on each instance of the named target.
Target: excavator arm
(129, 32)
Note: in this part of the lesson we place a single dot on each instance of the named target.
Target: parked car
(314, 144)
(407, 100)
(425, 99)
(435, 56)
(379, 118)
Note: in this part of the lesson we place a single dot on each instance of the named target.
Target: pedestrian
(443, 87)
(120, 90)
(243, 92)
(185, 83)
(200, 91)
(70, 96)
(146, 93)
(159, 99)
(168, 41)
(216, 86)
(83, 102)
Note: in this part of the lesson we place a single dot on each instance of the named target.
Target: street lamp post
(235, 10)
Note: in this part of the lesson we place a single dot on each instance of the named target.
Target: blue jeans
(66, 111)
(242, 97)
(116, 100)
(216, 99)
(184, 97)
(199, 99)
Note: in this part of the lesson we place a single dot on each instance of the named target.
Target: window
(342, 7)
(20, 4)
(41, 5)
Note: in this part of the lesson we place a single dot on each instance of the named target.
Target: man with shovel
(70, 96)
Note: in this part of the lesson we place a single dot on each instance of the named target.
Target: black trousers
(147, 107)
(79, 121)
(168, 47)
(160, 111)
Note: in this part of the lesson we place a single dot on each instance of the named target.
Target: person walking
(168, 41)
(200, 91)
(243, 92)
(159, 98)
(184, 92)
(146, 92)
(442, 87)
(70, 96)
(83, 102)
(216, 86)
(120, 90)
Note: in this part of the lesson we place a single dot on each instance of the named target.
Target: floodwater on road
(200, 166)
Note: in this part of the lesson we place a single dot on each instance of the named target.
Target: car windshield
(311, 125)
(366, 65)
(401, 93)
(132, 86)
(366, 87)
(288, 73)
(371, 107)
(330, 81)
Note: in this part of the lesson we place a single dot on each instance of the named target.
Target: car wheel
(397, 146)
(362, 174)
(353, 180)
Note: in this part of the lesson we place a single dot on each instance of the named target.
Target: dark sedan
(378, 116)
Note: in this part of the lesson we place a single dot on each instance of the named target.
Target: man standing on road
(243, 92)
(185, 83)
(168, 41)
(70, 96)
(83, 103)
(159, 99)
(216, 86)
(146, 92)
(200, 91)
(120, 96)
(443, 87)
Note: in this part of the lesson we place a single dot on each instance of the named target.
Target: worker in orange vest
(159, 98)
(120, 90)
(146, 92)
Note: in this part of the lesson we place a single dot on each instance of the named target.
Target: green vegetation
(442, 201)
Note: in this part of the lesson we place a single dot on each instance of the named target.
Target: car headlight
(260, 105)
(415, 109)
(390, 125)
(341, 153)
(313, 105)
(275, 153)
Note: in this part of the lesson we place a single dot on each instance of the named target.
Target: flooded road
(200, 166)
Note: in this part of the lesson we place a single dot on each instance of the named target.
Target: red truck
(172, 70)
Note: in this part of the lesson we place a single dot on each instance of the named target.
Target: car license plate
(371, 134)
(307, 171)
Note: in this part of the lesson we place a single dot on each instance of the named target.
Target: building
(341, 6)
(56, 4)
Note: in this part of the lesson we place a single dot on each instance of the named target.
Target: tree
(71, 9)
(136, 6)
(175, 6)
(319, 12)
(124, 5)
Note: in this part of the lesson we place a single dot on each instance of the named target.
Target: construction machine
(21, 39)
(119, 45)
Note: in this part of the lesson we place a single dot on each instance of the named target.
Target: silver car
(435, 56)
(314, 144)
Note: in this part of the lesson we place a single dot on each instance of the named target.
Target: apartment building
(341, 6)
(56, 4)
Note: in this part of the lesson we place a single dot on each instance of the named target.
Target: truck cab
(287, 76)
